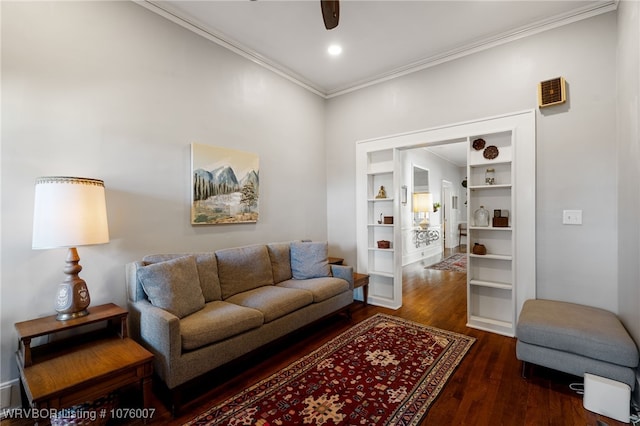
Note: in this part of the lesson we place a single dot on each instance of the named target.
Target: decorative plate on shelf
(478, 144)
(490, 152)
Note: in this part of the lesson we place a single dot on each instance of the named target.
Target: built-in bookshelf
(382, 225)
(491, 276)
(499, 281)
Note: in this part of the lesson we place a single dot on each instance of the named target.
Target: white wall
(629, 164)
(112, 91)
(576, 155)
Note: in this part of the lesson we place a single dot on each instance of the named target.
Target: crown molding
(203, 30)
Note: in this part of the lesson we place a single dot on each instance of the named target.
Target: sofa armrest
(159, 332)
(343, 271)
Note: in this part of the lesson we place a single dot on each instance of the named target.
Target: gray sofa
(196, 312)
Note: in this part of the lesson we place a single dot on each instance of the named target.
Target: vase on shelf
(481, 217)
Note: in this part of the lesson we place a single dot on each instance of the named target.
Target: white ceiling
(380, 39)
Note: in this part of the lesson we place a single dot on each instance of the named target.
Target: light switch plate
(572, 217)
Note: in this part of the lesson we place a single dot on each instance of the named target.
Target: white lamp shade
(69, 212)
(422, 202)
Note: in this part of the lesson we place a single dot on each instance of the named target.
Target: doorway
(437, 169)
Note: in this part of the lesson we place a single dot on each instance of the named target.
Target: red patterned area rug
(456, 262)
(383, 371)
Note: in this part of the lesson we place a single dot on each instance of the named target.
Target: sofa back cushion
(243, 268)
(280, 261)
(173, 285)
(309, 260)
(207, 271)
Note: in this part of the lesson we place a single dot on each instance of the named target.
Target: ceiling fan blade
(330, 13)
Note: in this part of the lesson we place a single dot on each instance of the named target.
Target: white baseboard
(10, 395)
(419, 257)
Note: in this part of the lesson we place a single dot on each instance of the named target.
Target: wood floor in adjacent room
(486, 389)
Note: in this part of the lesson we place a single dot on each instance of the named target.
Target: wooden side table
(81, 368)
(362, 280)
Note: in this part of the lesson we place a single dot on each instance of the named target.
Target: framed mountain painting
(225, 185)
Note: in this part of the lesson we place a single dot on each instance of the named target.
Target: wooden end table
(82, 368)
(362, 280)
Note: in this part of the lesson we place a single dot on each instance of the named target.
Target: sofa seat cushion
(217, 321)
(584, 330)
(274, 302)
(321, 288)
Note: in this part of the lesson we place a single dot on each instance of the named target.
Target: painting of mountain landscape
(225, 185)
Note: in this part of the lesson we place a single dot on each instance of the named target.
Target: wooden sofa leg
(176, 400)
(526, 369)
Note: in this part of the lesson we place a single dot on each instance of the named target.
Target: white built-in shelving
(499, 281)
(491, 277)
(381, 262)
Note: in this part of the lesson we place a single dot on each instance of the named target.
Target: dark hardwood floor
(486, 389)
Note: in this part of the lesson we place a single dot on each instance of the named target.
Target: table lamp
(70, 212)
(423, 203)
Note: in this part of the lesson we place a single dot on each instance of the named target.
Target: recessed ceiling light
(334, 50)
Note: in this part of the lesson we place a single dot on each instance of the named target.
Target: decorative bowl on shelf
(384, 244)
(478, 144)
(479, 249)
(490, 152)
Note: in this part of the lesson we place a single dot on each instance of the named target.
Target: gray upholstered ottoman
(576, 339)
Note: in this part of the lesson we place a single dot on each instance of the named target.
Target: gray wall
(576, 144)
(112, 91)
(628, 92)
